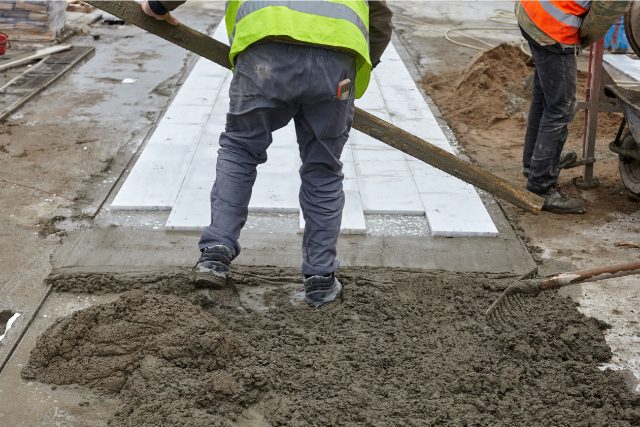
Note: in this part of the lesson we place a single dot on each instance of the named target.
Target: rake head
(511, 300)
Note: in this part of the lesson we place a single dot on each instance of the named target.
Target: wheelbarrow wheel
(629, 167)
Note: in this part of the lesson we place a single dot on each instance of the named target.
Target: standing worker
(555, 31)
(300, 60)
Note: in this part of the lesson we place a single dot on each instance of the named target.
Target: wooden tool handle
(592, 275)
(369, 124)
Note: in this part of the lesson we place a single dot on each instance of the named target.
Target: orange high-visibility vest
(560, 20)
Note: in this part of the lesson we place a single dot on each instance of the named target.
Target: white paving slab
(471, 220)
(452, 207)
(353, 221)
(191, 210)
(624, 63)
(384, 178)
(156, 178)
(188, 96)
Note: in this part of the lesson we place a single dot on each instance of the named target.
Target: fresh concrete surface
(119, 247)
(138, 239)
(30, 403)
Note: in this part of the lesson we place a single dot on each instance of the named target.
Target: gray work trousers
(273, 83)
(553, 107)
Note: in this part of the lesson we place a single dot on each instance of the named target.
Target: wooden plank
(40, 53)
(79, 53)
(218, 52)
(182, 35)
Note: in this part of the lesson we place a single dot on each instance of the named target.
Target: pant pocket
(338, 119)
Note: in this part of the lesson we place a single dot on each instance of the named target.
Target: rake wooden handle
(207, 47)
(592, 275)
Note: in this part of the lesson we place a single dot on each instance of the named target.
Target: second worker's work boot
(212, 269)
(557, 202)
(321, 290)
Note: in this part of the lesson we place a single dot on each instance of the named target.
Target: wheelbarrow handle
(591, 275)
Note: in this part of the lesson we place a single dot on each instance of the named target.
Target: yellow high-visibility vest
(342, 24)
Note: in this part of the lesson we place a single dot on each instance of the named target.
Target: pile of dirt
(493, 87)
(403, 348)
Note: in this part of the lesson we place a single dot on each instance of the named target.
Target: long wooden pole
(218, 52)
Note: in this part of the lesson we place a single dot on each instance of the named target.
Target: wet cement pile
(403, 348)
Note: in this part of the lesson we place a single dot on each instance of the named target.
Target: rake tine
(516, 299)
(521, 300)
(493, 319)
(497, 314)
(513, 305)
(508, 307)
(501, 316)
(509, 304)
(493, 314)
(512, 300)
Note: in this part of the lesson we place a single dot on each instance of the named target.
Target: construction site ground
(407, 345)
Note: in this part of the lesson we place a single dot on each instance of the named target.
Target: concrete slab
(126, 248)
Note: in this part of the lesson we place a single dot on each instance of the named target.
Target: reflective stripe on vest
(560, 20)
(340, 24)
(322, 8)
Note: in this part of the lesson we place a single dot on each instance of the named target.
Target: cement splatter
(403, 348)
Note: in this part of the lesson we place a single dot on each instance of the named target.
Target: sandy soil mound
(401, 349)
(493, 87)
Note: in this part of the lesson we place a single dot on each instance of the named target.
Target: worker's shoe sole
(321, 290)
(209, 279)
(212, 269)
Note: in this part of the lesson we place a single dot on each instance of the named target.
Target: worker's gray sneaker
(212, 268)
(321, 290)
(557, 202)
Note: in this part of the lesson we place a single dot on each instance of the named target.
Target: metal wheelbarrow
(627, 142)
